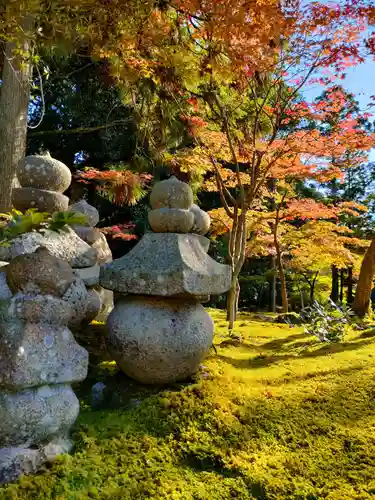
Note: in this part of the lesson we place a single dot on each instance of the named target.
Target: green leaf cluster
(16, 223)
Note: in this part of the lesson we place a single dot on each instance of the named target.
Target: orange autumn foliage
(122, 186)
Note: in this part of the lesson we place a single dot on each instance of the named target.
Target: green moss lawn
(275, 415)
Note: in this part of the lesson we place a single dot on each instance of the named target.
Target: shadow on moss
(300, 430)
(262, 361)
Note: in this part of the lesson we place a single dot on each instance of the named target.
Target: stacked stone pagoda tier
(39, 359)
(158, 330)
(43, 180)
(100, 299)
(85, 248)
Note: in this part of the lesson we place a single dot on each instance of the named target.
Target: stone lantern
(158, 331)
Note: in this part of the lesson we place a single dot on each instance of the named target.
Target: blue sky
(361, 81)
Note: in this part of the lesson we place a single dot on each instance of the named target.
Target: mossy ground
(275, 416)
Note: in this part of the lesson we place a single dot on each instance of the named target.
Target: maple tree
(319, 243)
(304, 235)
(151, 46)
(252, 157)
(120, 232)
(291, 210)
(254, 125)
(224, 80)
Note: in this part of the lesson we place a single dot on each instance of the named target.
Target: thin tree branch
(80, 130)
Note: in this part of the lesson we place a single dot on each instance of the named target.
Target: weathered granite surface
(35, 416)
(38, 353)
(5, 291)
(101, 246)
(94, 305)
(44, 172)
(5, 253)
(171, 193)
(15, 462)
(65, 245)
(202, 220)
(89, 275)
(170, 220)
(39, 358)
(39, 272)
(159, 332)
(41, 199)
(107, 302)
(85, 208)
(167, 264)
(77, 298)
(36, 308)
(157, 341)
(88, 234)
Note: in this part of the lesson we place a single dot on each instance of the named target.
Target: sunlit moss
(275, 415)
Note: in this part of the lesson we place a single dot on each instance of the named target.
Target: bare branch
(80, 130)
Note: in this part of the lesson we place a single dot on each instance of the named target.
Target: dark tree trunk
(342, 277)
(312, 288)
(272, 186)
(365, 282)
(14, 103)
(273, 282)
(335, 285)
(349, 296)
(284, 293)
(301, 294)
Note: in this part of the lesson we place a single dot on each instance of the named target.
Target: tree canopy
(212, 92)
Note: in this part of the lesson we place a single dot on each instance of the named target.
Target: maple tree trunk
(279, 260)
(335, 285)
(238, 289)
(312, 288)
(284, 293)
(273, 292)
(238, 233)
(231, 307)
(237, 245)
(232, 304)
(365, 282)
(311, 294)
(14, 102)
(272, 187)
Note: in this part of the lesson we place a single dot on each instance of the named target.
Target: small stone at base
(14, 462)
